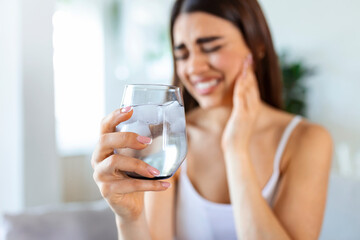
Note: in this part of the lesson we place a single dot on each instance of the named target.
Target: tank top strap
(284, 140)
(270, 186)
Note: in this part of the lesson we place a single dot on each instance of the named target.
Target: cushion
(80, 221)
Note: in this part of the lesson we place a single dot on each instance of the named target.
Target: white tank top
(198, 218)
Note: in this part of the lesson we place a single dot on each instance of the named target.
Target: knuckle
(105, 190)
(112, 161)
(123, 137)
(138, 163)
(102, 139)
(131, 135)
(93, 162)
(158, 186)
(96, 176)
(127, 138)
(138, 184)
(103, 121)
(155, 185)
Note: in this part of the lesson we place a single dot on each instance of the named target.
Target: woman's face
(209, 53)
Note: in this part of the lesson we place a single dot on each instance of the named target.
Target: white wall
(77, 182)
(29, 172)
(325, 34)
(10, 106)
(41, 168)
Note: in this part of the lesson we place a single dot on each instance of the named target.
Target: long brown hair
(247, 16)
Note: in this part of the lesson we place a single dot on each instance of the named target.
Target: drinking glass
(158, 113)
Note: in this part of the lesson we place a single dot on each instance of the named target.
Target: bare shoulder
(309, 152)
(308, 138)
(312, 139)
(312, 132)
(308, 143)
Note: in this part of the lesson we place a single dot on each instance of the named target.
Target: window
(79, 75)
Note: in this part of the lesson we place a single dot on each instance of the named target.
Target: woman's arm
(160, 211)
(133, 230)
(300, 202)
(157, 221)
(301, 199)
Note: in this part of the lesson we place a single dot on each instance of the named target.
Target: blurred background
(64, 63)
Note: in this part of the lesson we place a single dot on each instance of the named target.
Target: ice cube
(173, 112)
(178, 126)
(149, 114)
(138, 127)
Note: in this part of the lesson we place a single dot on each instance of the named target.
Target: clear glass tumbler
(158, 113)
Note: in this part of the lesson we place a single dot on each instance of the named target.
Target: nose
(197, 64)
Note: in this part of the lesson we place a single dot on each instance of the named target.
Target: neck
(215, 119)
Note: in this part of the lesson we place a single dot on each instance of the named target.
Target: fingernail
(144, 140)
(153, 171)
(165, 184)
(126, 109)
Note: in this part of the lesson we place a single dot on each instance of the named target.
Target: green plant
(294, 72)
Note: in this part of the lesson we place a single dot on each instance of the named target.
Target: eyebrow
(207, 39)
(199, 41)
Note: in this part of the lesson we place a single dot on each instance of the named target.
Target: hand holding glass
(158, 113)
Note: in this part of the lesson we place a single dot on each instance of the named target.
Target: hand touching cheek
(246, 105)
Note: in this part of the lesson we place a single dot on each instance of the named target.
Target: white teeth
(205, 85)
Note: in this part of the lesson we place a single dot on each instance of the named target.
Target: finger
(115, 165)
(247, 66)
(251, 89)
(109, 123)
(254, 98)
(251, 77)
(253, 86)
(242, 78)
(248, 101)
(110, 141)
(131, 185)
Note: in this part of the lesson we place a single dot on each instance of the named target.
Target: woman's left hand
(246, 105)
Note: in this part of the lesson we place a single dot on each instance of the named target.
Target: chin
(219, 99)
(209, 104)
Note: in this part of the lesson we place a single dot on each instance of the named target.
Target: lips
(206, 87)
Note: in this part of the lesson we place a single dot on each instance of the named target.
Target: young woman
(252, 170)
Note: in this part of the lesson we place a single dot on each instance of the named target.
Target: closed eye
(181, 53)
(180, 57)
(211, 49)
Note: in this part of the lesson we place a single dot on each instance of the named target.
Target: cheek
(229, 63)
(180, 71)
